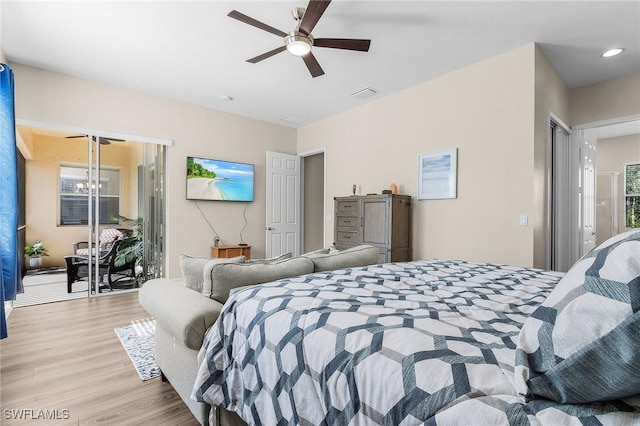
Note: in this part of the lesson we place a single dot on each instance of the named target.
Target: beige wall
(494, 112)
(486, 110)
(551, 96)
(42, 196)
(607, 100)
(49, 97)
(613, 154)
(3, 59)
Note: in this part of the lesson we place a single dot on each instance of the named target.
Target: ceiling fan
(103, 141)
(299, 42)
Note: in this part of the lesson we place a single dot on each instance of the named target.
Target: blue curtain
(9, 256)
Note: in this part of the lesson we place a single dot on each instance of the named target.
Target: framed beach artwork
(437, 175)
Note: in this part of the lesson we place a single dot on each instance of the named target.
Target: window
(74, 198)
(632, 195)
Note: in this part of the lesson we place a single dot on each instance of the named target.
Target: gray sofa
(185, 308)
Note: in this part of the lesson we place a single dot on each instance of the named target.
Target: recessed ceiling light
(612, 52)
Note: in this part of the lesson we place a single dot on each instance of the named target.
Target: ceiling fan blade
(267, 54)
(312, 15)
(312, 64)
(343, 43)
(109, 140)
(249, 20)
(104, 141)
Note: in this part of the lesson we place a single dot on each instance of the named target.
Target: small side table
(230, 251)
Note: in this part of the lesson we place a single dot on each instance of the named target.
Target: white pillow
(581, 345)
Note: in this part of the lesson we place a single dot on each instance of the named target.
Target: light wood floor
(66, 356)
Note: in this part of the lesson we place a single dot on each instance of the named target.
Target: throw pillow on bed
(193, 269)
(582, 345)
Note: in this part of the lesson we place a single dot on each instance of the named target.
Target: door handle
(270, 228)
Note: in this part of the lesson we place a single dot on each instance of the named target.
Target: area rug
(139, 340)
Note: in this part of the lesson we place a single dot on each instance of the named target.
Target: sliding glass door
(151, 204)
(85, 192)
(118, 194)
(102, 187)
(126, 213)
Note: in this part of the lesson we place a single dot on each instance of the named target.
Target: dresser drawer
(346, 237)
(347, 222)
(347, 206)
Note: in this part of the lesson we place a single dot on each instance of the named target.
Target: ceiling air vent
(365, 93)
(294, 119)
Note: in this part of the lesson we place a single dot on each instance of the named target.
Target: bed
(436, 342)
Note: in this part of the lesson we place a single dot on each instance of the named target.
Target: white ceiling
(192, 52)
(615, 130)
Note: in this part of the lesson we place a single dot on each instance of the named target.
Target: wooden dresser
(380, 220)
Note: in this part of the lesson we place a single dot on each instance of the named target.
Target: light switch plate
(524, 220)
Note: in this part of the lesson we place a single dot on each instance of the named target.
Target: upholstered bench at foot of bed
(182, 318)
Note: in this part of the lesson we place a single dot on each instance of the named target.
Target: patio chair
(107, 237)
(110, 275)
(116, 276)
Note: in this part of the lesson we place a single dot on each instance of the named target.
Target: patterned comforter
(425, 342)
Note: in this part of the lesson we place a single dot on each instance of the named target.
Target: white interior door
(283, 192)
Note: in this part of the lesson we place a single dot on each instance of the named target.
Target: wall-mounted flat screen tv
(218, 180)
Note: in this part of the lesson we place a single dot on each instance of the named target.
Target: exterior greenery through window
(632, 195)
(74, 198)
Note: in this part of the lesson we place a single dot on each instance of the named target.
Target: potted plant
(132, 246)
(35, 252)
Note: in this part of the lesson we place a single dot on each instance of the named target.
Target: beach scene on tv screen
(219, 180)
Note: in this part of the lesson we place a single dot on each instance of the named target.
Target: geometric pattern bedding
(425, 342)
(583, 343)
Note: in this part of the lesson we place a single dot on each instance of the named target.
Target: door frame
(97, 134)
(301, 197)
(585, 127)
(303, 156)
(590, 127)
(569, 193)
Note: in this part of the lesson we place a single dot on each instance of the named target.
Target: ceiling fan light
(298, 44)
(612, 52)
